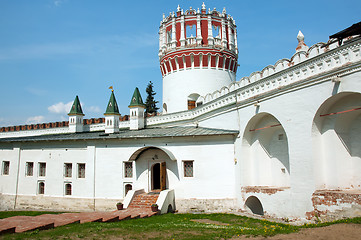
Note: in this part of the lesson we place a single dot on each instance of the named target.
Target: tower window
(191, 104)
(29, 169)
(6, 168)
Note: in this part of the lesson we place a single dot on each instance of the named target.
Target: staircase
(46, 221)
(144, 200)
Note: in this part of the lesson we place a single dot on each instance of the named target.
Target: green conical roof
(112, 107)
(76, 108)
(136, 99)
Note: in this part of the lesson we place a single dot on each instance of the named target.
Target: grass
(171, 226)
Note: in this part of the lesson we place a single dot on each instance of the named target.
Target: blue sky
(53, 50)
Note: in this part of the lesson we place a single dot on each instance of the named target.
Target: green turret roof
(76, 108)
(112, 107)
(136, 99)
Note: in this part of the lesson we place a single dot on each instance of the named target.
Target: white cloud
(57, 3)
(60, 108)
(35, 119)
(94, 109)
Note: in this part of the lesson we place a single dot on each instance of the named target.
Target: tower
(76, 117)
(197, 54)
(136, 111)
(112, 115)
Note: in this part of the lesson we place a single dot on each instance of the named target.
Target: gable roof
(136, 100)
(76, 108)
(112, 107)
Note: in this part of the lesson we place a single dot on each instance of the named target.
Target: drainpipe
(17, 179)
(94, 164)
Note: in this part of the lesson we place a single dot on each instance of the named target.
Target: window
(128, 169)
(29, 169)
(81, 170)
(67, 169)
(191, 104)
(188, 168)
(128, 187)
(41, 188)
(6, 167)
(68, 189)
(42, 169)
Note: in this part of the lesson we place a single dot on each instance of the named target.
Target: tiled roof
(76, 108)
(112, 107)
(127, 134)
(136, 99)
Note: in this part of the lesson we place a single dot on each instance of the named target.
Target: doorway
(159, 176)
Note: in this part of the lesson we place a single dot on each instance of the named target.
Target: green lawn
(169, 226)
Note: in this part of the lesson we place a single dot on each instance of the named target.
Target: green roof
(76, 108)
(136, 99)
(112, 107)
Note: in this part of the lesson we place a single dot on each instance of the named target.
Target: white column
(199, 31)
(230, 37)
(174, 41)
(210, 33)
(182, 38)
(224, 38)
(235, 40)
(164, 47)
(160, 41)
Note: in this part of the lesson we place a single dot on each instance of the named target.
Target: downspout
(17, 179)
(94, 160)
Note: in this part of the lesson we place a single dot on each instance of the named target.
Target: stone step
(46, 221)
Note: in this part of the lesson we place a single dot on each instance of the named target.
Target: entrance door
(163, 176)
(159, 176)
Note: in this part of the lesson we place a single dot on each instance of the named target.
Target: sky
(53, 50)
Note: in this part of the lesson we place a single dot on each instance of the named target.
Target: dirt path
(333, 232)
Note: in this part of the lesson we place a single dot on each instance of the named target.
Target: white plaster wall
(179, 85)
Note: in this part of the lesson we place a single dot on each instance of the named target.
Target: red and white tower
(198, 55)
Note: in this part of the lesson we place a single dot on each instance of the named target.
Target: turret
(136, 107)
(198, 55)
(112, 115)
(76, 117)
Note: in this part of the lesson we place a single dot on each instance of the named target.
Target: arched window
(128, 187)
(68, 189)
(41, 188)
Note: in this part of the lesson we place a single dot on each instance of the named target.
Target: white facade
(284, 142)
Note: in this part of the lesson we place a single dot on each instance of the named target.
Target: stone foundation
(39, 202)
(206, 205)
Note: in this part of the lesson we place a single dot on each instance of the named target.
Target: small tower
(76, 117)
(301, 43)
(112, 115)
(136, 111)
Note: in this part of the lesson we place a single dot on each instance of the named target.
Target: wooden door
(163, 176)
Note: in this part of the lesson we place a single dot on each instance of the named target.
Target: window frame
(42, 170)
(125, 169)
(66, 190)
(185, 167)
(39, 188)
(29, 166)
(66, 175)
(81, 175)
(5, 166)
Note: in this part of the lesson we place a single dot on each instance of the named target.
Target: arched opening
(155, 169)
(68, 189)
(165, 108)
(337, 142)
(265, 147)
(192, 100)
(254, 204)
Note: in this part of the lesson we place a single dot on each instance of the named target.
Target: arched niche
(336, 141)
(254, 205)
(265, 150)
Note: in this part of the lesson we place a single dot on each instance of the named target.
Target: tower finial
(111, 87)
(178, 8)
(203, 6)
(224, 10)
(301, 42)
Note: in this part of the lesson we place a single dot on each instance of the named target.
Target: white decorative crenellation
(285, 72)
